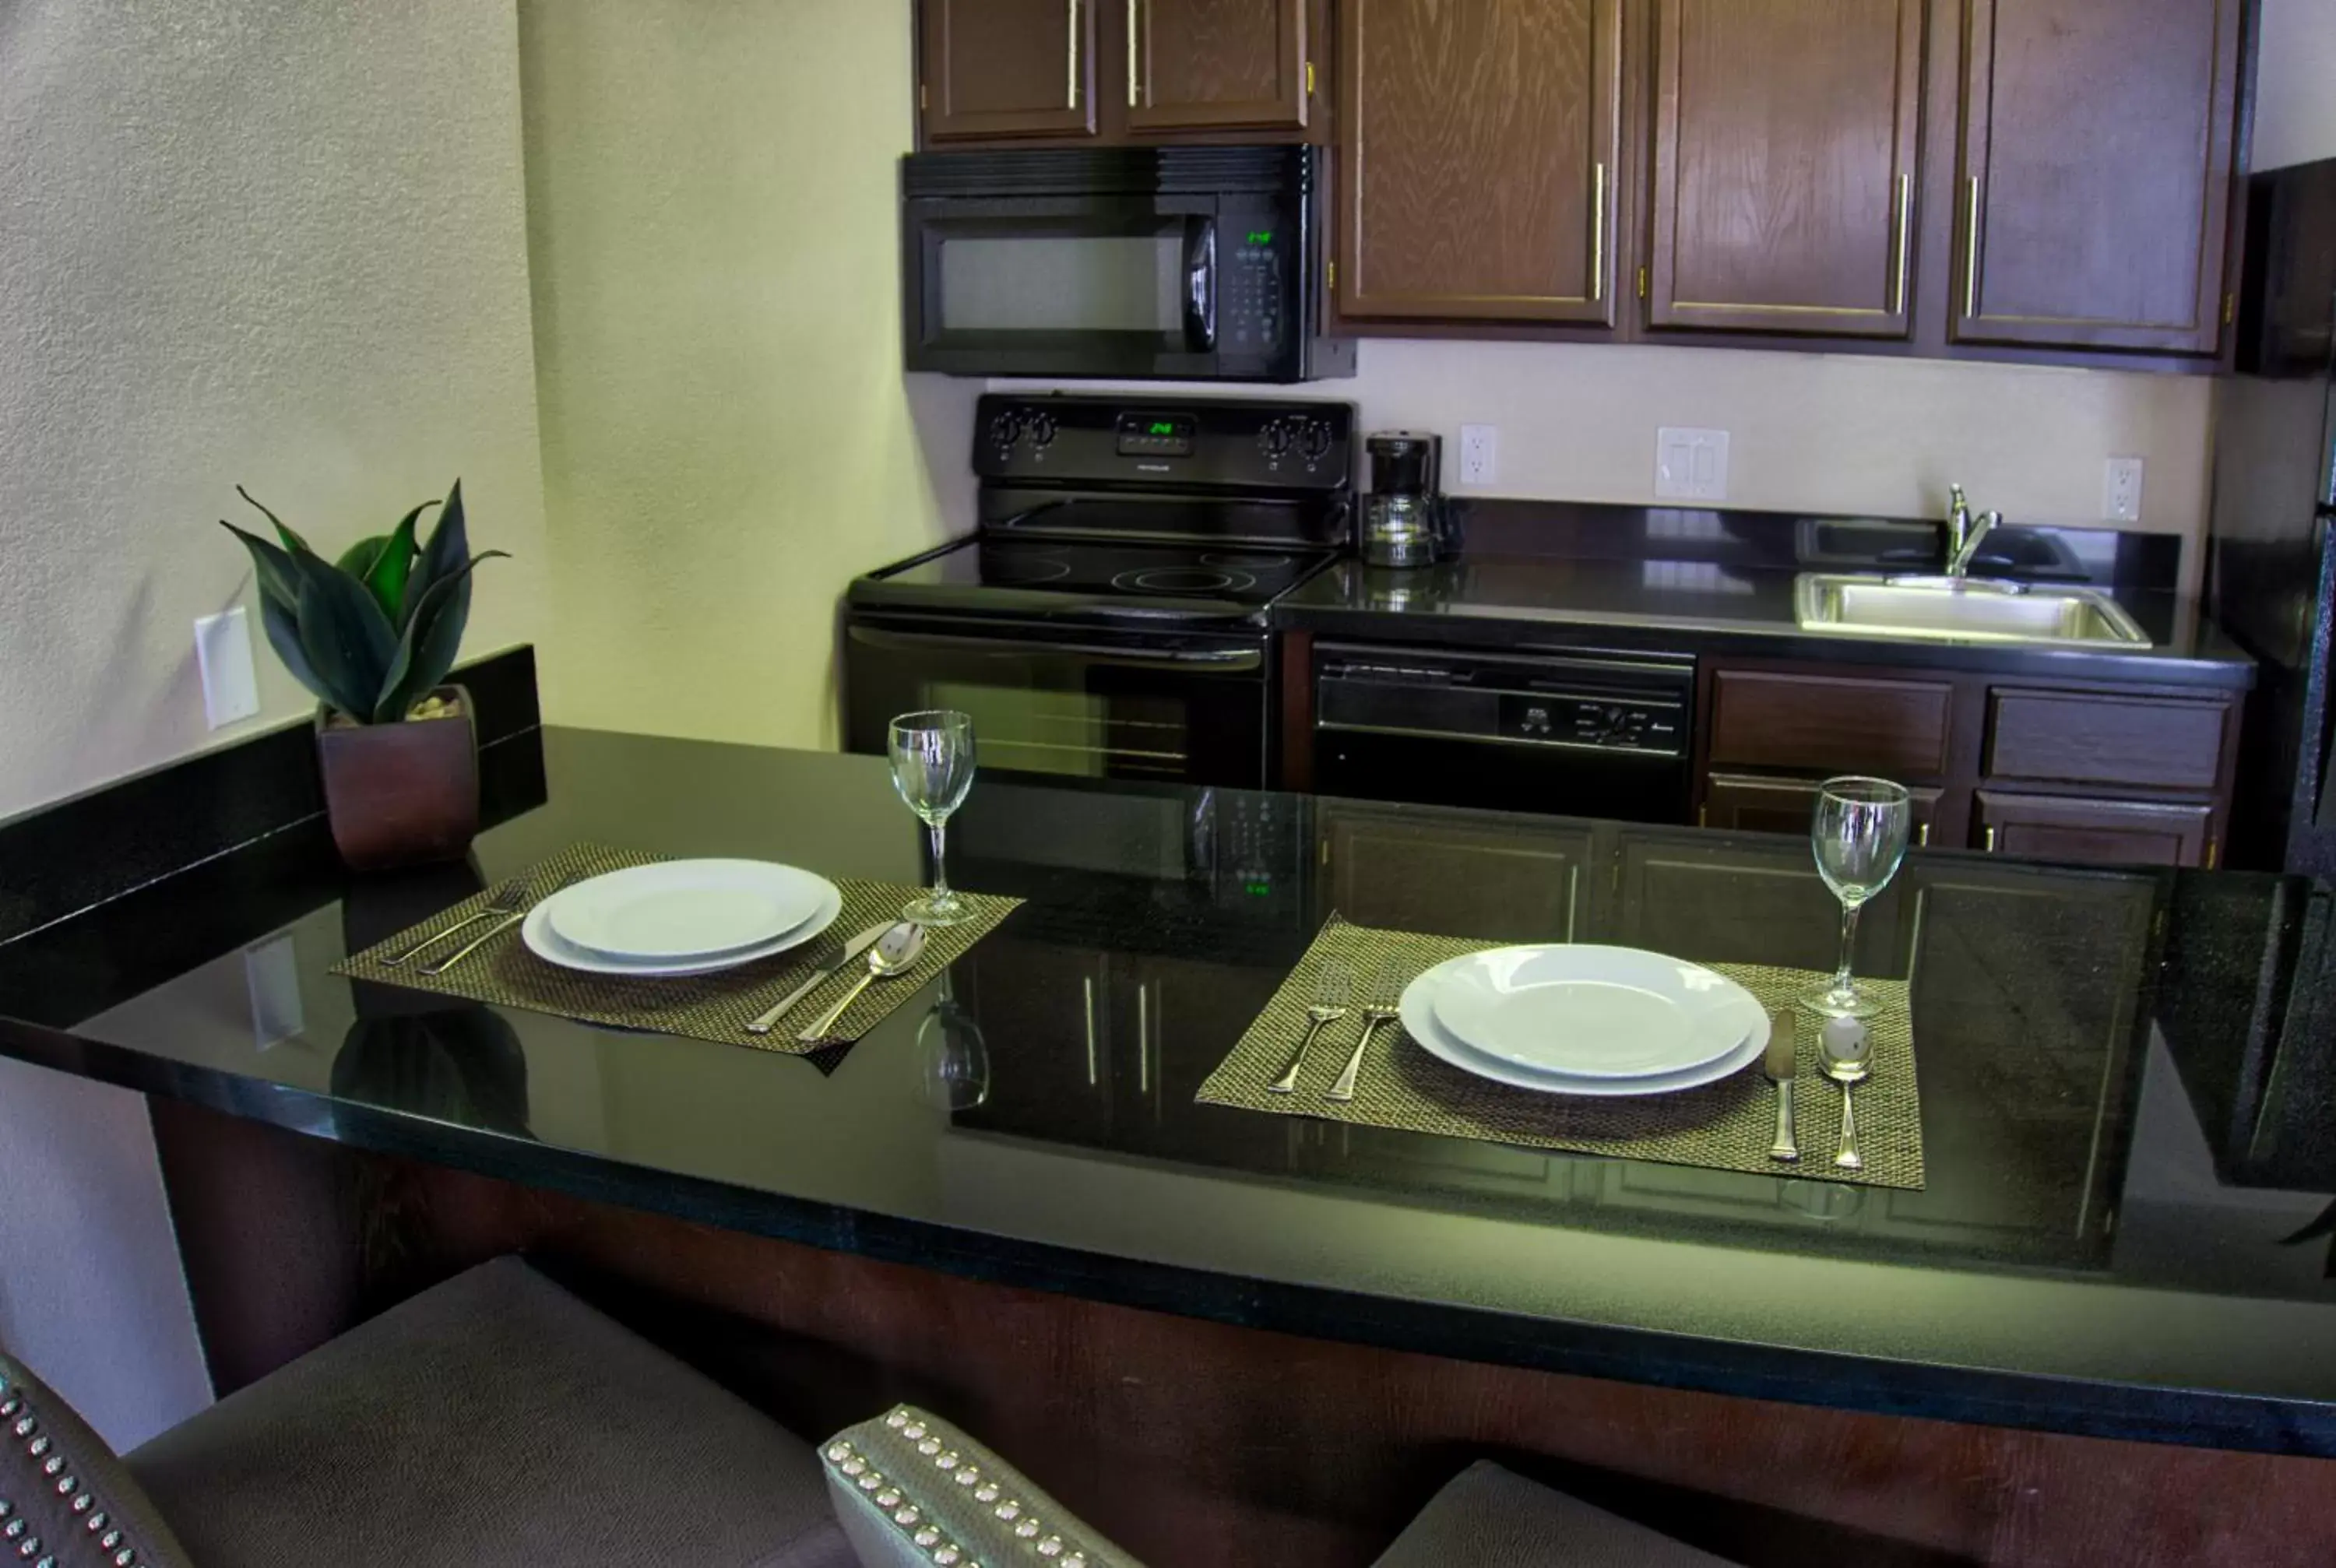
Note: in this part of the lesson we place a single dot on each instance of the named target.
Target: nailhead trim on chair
(1028, 1532)
(37, 1445)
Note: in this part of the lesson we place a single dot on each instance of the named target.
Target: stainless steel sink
(1964, 610)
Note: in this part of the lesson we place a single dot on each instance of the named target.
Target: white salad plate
(1587, 1011)
(1419, 1019)
(546, 944)
(684, 911)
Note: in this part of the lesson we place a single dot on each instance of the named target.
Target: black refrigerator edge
(2270, 574)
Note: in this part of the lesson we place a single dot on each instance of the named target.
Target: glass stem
(1842, 986)
(940, 863)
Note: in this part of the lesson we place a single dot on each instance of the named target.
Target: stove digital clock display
(1156, 435)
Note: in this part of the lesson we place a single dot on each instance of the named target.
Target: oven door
(1070, 703)
(1097, 285)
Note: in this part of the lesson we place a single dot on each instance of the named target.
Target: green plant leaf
(432, 641)
(393, 568)
(279, 573)
(283, 530)
(446, 551)
(282, 626)
(348, 641)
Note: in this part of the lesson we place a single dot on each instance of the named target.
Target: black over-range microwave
(1170, 263)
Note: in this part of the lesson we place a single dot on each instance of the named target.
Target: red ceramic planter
(402, 794)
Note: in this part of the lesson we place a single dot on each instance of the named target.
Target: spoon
(1848, 1072)
(895, 953)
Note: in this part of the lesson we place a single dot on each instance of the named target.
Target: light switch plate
(1690, 464)
(1480, 455)
(2121, 489)
(223, 654)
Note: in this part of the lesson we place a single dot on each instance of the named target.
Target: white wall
(1822, 433)
(261, 240)
(2295, 84)
(727, 436)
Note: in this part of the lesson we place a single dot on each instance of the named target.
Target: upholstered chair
(914, 1492)
(493, 1420)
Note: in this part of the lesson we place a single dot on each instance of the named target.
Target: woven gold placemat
(715, 1007)
(1725, 1126)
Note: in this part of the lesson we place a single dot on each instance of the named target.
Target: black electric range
(1107, 617)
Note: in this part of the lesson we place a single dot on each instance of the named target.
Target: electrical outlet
(1480, 453)
(223, 653)
(1690, 464)
(2121, 489)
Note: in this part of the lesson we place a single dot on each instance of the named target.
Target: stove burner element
(1012, 573)
(1220, 558)
(1183, 579)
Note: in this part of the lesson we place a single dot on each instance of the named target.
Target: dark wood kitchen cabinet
(2094, 173)
(1216, 64)
(1427, 869)
(1480, 151)
(2086, 772)
(2098, 831)
(1009, 68)
(1119, 71)
(1784, 178)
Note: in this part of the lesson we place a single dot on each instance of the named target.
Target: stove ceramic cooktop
(1233, 576)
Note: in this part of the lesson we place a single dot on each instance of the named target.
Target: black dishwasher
(1573, 734)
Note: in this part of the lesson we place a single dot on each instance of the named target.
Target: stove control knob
(1040, 429)
(1318, 437)
(1006, 430)
(1275, 439)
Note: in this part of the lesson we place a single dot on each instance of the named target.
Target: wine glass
(1859, 833)
(932, 768)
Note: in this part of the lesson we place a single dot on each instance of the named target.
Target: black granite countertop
(2101, 1246)
(1721, 582)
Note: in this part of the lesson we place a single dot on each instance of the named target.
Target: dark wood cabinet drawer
(1831, 724)
(2095, 831)
(2090, 737)
(1746, 804)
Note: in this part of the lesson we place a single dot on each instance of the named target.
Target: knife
(1780, 1066)
(820, 977)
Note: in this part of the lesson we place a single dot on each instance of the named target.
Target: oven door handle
(1201, 286)
(1227, 660)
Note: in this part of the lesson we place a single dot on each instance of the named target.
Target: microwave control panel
(1252, 308)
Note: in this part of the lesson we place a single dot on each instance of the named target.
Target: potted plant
(374, 634)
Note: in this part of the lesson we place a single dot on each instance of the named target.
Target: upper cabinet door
(1009, 68)
(1481, 141)
(2096, 172)
(1216, 64)
(1785, 179)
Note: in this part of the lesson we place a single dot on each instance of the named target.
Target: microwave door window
(1064, 284)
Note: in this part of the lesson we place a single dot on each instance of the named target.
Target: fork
(1332, 989)
(1388, 986)
(510, 898)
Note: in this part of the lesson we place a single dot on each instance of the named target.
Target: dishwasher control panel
(1604, 703)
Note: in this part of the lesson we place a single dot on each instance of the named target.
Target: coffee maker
(1404, 518)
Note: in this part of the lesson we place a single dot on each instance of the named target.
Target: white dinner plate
(1587, 1011)
(1418, 1012)
(684, 911)
(548, 944)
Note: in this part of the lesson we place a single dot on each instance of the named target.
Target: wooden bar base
(1196, 1443)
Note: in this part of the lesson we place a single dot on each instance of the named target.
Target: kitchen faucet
(1964, 531)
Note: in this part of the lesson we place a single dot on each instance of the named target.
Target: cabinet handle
(1598, 232)
(1970, 248)
(1905, 242)
(1990, 838)
(1133, 24)
(1071, 54)
(1922, 835)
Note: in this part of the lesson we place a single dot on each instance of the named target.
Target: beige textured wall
(2295, 84)
(1824, 433)
(727, 435)
(265, 240)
